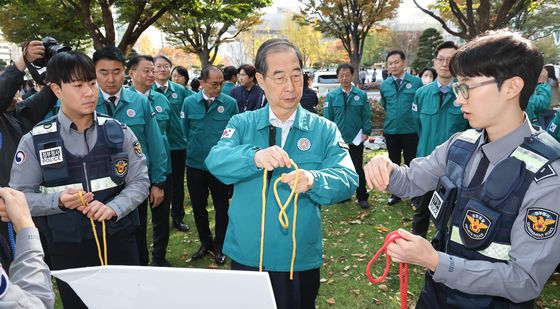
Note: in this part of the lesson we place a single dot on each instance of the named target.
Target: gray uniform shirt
(531, 261)
(26, 174)
(30, 280)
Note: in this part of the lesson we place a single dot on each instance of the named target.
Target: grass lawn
(351, 237)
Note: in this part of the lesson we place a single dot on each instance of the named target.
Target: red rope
(403, 268)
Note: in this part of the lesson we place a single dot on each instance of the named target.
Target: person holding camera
(18, 119)
(79, 166)
(29, 285)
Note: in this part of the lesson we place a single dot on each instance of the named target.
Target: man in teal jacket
(437, 117)
(230, 79)
(397, 93)
(540, 101)
(134, 110)
(175, 94)
(349, 108)
(141, 71)
(205, 116)
(260, 144)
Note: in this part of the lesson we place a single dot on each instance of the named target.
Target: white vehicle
(323, 82)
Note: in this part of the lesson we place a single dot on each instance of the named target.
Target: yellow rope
(282, 216)
(101, 260)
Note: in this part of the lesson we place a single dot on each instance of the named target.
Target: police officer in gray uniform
(75, 157)
(29, 285)
(496, 196)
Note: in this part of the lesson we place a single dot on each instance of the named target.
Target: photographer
(30, 281)
(18, 119)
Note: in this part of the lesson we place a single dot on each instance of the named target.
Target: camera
(51, 48)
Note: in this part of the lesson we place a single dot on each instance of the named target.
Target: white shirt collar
(159, 86)
(274, 120)
(147, 93)
(106, 95)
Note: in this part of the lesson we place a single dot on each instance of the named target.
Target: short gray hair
(272, 46)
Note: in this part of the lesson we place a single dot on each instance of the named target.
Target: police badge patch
(476, 225)
(121, 167)
(137, 148)
(50, 156)
(541, 223)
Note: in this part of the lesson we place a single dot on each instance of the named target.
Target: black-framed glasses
(464, 88)
(296, 78)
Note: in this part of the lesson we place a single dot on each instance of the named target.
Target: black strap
(480, 171)
(271, 142)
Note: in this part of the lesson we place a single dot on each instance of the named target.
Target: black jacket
(14, 124)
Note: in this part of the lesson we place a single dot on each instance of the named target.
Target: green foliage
(550, 51)
(377, 43)
(541, 21)
(201, 27)
(23, 21)
(427, 44)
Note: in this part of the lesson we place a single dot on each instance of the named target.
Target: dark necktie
(443, 90)
(208, 103)
(480, 171)
(398, 83)
(162, 89)
(110, 104)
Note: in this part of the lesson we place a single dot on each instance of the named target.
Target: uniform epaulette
(470, 136)
(48, 125)
(538, 151)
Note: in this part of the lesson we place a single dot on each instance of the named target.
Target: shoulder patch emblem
(20, 157)
(303, 144)
(552, 127)
(541, 223)
(130, 112)
(476, 225)
(50, 156)
(159, 109)
(408, 86)
(121, 167)
(546, 172)
(228, 133)
(3, 283)
(137, 148)
(356, 98)
(220, 109)
(174, 95)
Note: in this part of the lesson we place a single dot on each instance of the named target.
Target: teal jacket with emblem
(554, 127)
(227, 86)
(436, 119)
(539, 102)
(175, 94)
(315, 144)
(166, 119)
(351, 115)
(398, 104)
(203, 127)
(134, 110)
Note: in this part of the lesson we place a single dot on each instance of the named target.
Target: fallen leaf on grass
(383, 287)
(356, 292)
(356, 222)
(331, 301)
(323, 280)
(346, 268)
(331, 281)
(381, 228)
(346, 231)
(358, 255)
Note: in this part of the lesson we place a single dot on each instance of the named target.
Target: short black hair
(164, 57)
(345, 66)
(395, 52)
(30, 83)
(272, 46)
(135, 60)
(195, 84)
(501, 54)
(249, 69)
(206, 71)
(230, 72)
(444, 45)
(182, 71)
(70, 67)
(108, 53)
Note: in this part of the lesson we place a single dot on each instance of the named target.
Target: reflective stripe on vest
(49, 127)
(77, 186)
(533, 161)
(494, 250)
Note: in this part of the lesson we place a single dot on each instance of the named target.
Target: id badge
(435, 204)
